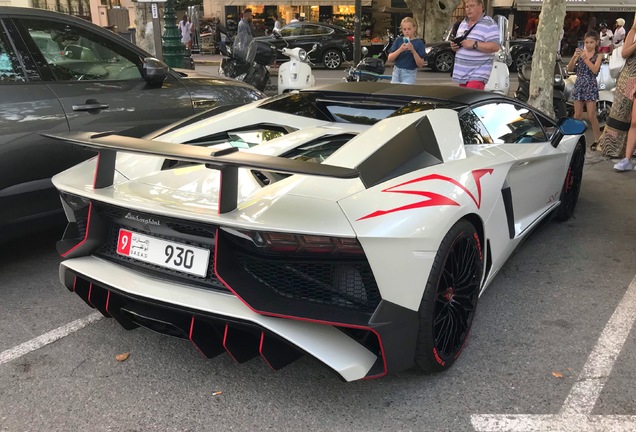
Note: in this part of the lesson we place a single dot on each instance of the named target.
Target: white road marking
(48, 338)
(576, 410)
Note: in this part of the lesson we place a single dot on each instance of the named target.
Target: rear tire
(450, 298)
(572, 184)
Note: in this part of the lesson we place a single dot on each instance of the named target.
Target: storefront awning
(582, 5)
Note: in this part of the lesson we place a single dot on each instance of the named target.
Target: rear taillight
(350, 39)
(278, 242)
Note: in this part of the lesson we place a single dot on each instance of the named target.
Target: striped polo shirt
(474, 65)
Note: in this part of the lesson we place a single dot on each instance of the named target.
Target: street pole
(173, 50)
(358, 32)
(156, 30)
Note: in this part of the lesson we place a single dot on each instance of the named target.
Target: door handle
(92, 106)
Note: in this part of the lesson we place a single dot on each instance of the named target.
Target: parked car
(334, 43)
(362, 232)
(441, 57)
(60, 73)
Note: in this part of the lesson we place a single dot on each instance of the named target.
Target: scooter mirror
(365, 51)
(276, 33)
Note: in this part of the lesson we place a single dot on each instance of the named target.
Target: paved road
(540, 353)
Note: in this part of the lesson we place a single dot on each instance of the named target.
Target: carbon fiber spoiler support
(227, 161)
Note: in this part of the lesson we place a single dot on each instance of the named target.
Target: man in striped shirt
(474, 48)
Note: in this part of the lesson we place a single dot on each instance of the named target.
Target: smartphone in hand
(581, 45)
(406, 39)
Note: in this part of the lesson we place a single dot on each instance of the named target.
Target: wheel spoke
(456, 297)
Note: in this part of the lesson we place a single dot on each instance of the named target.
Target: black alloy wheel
(450, 299)
(332, 59)
(523, 58)
(572, 184)
(444, 62)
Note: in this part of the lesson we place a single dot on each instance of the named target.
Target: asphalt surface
(536, 329)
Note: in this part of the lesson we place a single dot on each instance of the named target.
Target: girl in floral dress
(586, 63)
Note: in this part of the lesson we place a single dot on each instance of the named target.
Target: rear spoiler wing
(227, 161)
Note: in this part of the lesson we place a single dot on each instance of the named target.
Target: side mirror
(567, 126)
(154, 70)
(365, 51)
(570, 126)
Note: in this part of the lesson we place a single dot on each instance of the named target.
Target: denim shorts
(403, 76)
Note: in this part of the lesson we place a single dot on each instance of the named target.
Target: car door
(98, 79)
(536, 178)
(27, 160)
(291, 34)
(315, 34)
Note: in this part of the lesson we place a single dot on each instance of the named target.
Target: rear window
(350, 108)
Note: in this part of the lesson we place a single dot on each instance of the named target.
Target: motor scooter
(558, 91)
(246, 59)
(295, 74)
(606, 87)
(370, 68)
(499, 81)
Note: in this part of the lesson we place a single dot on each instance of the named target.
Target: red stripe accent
(107, 302)
(260, 351)
(88, 225)
(293, 317)
(434, 199)
(227, 327)
(190, 337)
(90, 208)
(90, 290)
(74, 282)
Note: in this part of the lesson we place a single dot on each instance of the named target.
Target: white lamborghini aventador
(357, 223)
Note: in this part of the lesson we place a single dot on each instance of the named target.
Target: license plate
(176, 256)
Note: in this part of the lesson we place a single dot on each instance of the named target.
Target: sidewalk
(207, 59)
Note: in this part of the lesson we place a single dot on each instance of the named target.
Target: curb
(207, 62)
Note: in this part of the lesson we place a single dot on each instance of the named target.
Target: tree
(432, 17)
(549, 33)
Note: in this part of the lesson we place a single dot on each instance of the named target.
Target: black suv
(335, 44)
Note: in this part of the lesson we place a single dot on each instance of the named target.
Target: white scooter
(295, 74)
(499, 81)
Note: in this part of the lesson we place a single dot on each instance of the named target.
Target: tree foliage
(433, 17)
(546, 48)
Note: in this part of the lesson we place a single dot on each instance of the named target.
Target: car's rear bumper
(219, 322)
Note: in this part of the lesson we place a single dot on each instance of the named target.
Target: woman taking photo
(613, 140)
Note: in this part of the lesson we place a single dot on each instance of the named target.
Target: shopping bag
(616, 62)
